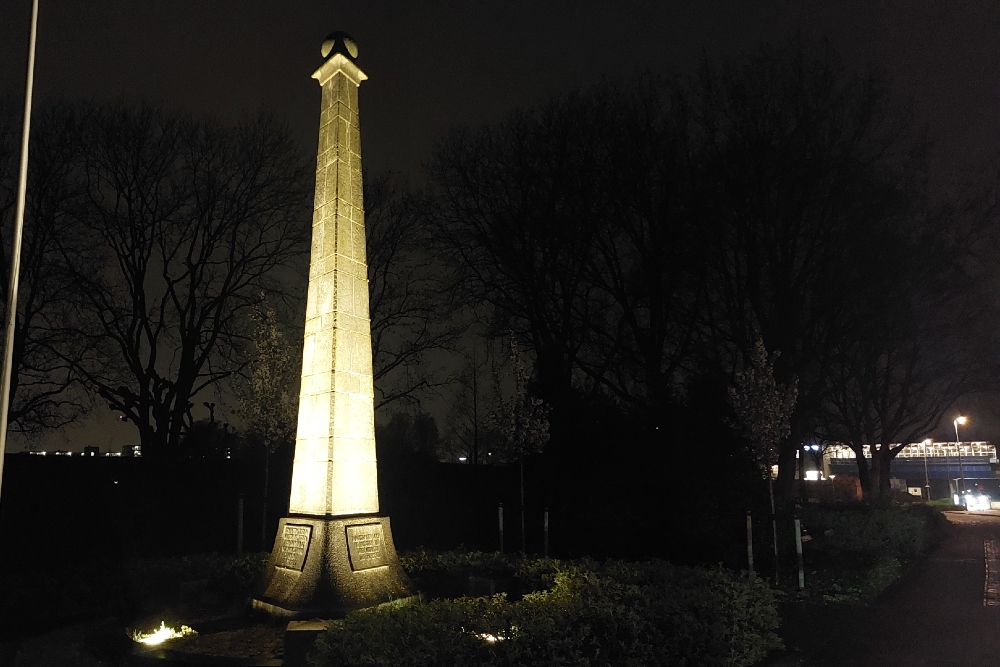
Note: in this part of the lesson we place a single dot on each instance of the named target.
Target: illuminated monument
(333, 553)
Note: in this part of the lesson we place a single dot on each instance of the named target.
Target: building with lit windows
(946, 467)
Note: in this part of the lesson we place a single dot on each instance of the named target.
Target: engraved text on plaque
(365, 546)
(294, 545)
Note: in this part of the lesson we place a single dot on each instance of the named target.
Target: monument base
(323, 567)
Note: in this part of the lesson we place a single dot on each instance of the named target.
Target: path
(946, 612)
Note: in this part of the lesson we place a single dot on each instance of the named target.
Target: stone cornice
(339, 63)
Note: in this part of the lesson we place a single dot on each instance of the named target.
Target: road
(945, 612)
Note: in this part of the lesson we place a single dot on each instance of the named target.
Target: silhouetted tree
(184, 224)
(515, 209)
(208, 438)
(571, 226)
(45, 390)
(803, 163)
(923, 340)
(471, 431)
(411, 317)
(408, 435)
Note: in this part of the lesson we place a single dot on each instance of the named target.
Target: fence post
(798, 553)
(545, 544)
(500, 519)
(750, 544)
(239, 526)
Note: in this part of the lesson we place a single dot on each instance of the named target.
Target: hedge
(595, 614)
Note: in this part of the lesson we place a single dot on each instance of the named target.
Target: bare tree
(515, 208)
(803, 163)
(411, 318)
(183, 225)
(45, 391)
(926, 338)
(471, 431)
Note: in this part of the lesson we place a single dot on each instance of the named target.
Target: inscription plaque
(365, 546)
(294, 546)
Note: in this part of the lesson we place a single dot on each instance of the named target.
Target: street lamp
(961, 419)
(927, 479)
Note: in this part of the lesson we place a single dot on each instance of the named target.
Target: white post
(545, 544)
(239, 526)
(798, 553)
(500, 521)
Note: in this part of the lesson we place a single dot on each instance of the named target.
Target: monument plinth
(334, 553)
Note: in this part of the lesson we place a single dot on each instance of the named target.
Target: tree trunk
(881, 469)
(863, 476)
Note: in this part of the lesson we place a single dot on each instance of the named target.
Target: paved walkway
(945, 612)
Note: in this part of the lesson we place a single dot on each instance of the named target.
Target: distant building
(943, 466)
(91, 451)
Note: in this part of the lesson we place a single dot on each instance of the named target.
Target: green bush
(225, 574)
(595, 615)
(945, 504)
(442, 573)
(879, 577)
(867, 534)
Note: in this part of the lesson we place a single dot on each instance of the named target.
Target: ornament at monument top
(339, 42)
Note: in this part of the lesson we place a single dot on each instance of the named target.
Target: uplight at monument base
(162, 634)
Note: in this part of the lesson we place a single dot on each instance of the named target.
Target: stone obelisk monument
(333, 553)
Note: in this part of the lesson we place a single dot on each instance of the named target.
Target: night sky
(435, 64)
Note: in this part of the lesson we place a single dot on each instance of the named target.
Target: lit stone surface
(333, 554)
(335, 471)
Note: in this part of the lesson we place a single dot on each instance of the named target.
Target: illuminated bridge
(944, 463)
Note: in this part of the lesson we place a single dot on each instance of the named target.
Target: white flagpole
(15, 249)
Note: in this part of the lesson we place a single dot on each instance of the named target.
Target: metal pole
(947, 466)
(961, 470)
(774, 531)
(798, 553)
(545, 544)
(500, 519)
(15, 250)
(927, 478)
(239, 526)
(750, 544)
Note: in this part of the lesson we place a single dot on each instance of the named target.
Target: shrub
(595, 614)
(441, 574)
(867, 534)
(225, 574)
(879, 577)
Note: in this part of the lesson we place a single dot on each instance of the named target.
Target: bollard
(798, 553)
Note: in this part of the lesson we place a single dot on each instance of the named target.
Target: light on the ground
(162, 634)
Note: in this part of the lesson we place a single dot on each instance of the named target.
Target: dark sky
(432, 64)
(436, 63)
